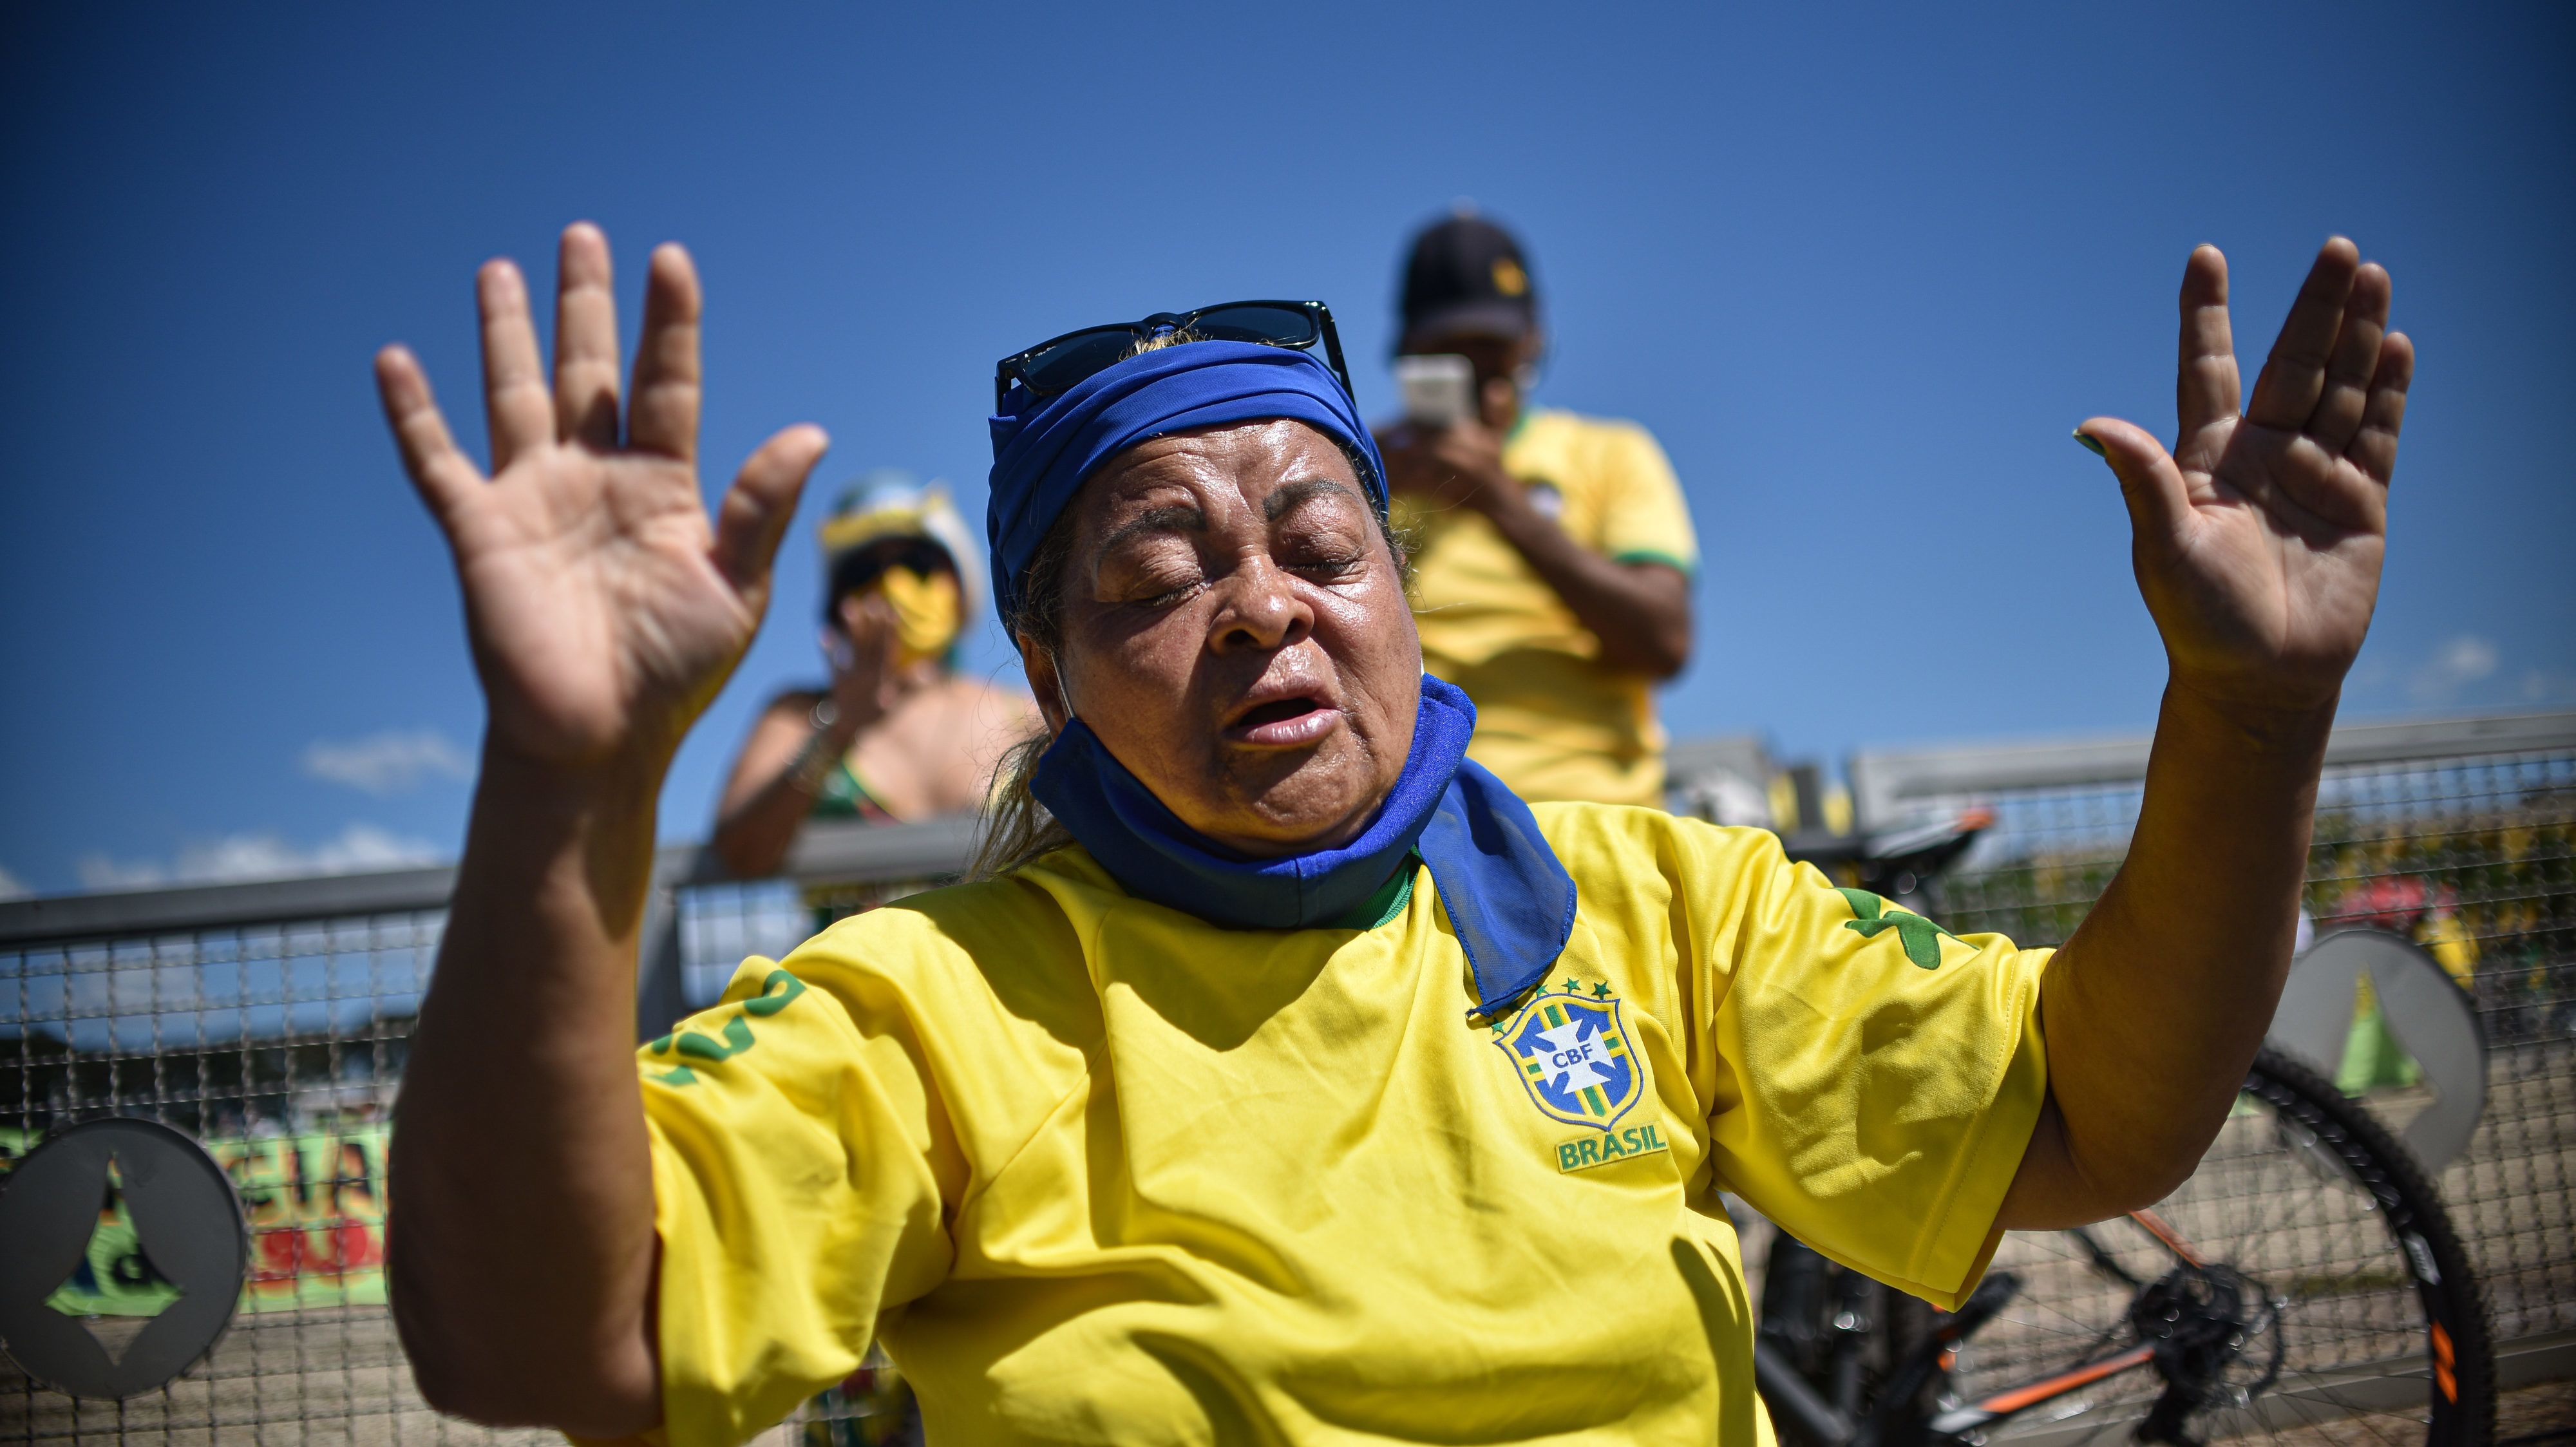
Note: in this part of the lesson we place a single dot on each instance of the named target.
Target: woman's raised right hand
(603, 608)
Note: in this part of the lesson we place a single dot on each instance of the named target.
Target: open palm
(2258, 539)
(603, 608)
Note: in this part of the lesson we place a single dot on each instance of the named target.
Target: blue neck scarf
(1507, 896)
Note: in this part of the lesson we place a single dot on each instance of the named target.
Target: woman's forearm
(521, 1236)
(753, 837)
(770, 795)
(2155, 1008)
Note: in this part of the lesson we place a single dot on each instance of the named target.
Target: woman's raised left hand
(2258, 539)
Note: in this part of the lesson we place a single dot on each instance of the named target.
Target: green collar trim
(1387, 903)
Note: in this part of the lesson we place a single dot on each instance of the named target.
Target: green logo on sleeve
(1920, 936)
(775, 992)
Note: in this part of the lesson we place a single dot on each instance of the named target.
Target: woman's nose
(1259, 609)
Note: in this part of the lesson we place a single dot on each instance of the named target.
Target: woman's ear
(1045, 684)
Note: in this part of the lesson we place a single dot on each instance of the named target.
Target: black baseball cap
(1466, 274)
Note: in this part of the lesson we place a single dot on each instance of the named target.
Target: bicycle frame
(1821, 1419)
(1959, 1421)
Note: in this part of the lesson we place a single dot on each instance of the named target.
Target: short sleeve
(797, 1157)
(1644, 517)
(1878, 1077)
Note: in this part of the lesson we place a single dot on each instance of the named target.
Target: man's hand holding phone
(1442, 454)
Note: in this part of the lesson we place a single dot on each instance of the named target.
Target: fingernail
(2092, 446)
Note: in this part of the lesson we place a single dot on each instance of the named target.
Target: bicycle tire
(2378, 1327)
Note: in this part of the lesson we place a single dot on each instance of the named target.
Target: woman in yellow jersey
(899, 734)
(1294, 1081)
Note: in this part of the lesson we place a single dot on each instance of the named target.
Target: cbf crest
(1571, 1049)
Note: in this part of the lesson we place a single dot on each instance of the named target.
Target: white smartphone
(1438, 390)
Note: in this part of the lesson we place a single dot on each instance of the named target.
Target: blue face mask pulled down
(1507, 896)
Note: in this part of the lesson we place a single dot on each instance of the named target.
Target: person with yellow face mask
(898, 735)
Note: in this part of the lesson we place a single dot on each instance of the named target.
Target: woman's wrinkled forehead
(1264, 468)
(1271, 449)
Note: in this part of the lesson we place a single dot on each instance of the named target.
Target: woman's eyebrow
(1294, 494)
(1170, 518)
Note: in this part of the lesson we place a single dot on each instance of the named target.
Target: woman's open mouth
(1283, 723)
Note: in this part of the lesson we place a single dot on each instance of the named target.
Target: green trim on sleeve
(1689, 566)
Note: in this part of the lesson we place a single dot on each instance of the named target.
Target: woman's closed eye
(1319, 529)
(1327, 551)
(1151, 574)
(1153, 557)
(1329, 565)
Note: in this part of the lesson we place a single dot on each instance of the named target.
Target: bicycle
(2304, 1282)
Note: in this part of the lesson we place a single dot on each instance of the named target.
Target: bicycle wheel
(2304, 1286)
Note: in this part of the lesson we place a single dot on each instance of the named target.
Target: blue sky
(1859, 269)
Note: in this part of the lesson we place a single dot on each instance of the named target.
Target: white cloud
(391, 762)
(97, 871)
(2455, 665)
(354, 850)
(2547, 685)
(11, 886)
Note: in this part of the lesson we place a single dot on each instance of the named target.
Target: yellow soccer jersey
(1550, 719)
(1097, 1171)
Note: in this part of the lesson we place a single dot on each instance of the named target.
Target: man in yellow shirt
(1553, 552)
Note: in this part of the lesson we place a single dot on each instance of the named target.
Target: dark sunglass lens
(1284, 326)
(1071, 360)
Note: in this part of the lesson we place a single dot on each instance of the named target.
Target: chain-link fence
(277, 1045)
(270, 1021)
(2461, 836)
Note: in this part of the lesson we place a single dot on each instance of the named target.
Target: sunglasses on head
(1058, 363)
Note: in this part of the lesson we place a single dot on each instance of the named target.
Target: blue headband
(1043, 448)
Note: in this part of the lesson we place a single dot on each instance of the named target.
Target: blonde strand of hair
(1017, 828)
